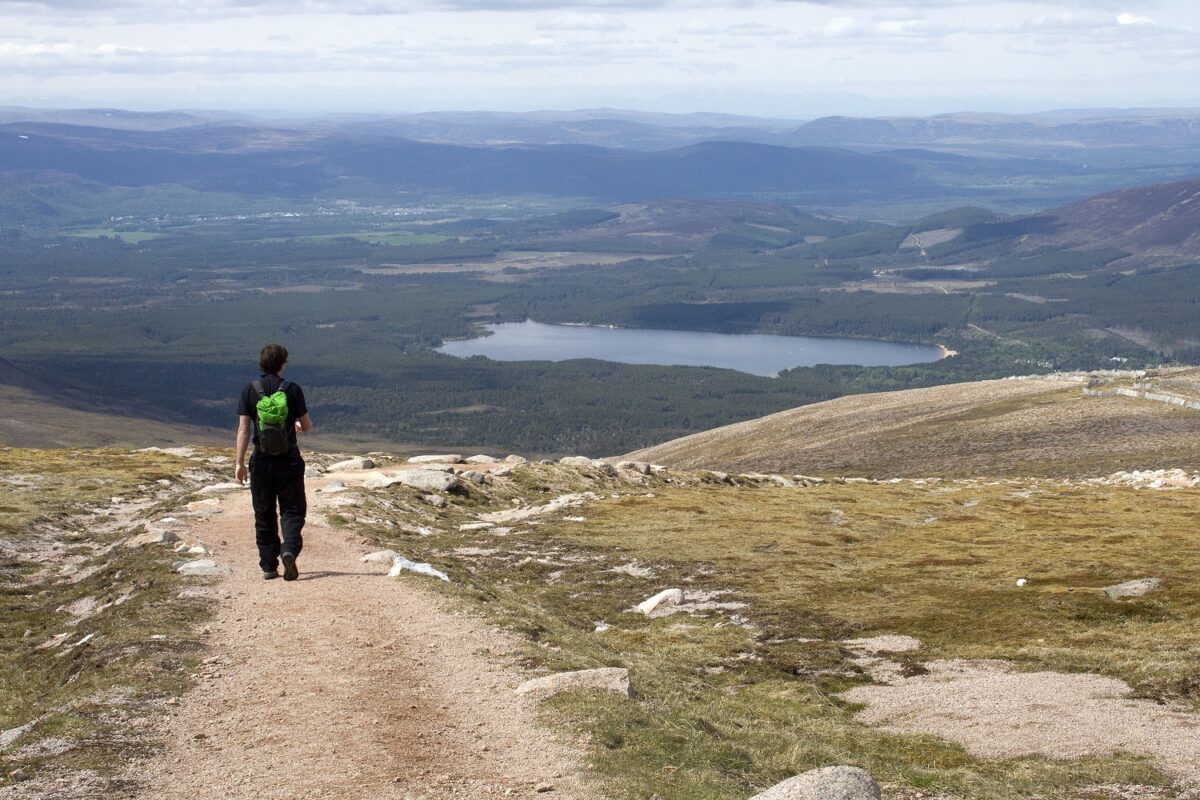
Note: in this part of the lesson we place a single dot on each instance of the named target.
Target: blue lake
(757, 354)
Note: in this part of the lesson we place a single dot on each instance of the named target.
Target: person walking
(271, 411)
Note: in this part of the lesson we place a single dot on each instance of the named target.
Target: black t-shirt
(248, 402)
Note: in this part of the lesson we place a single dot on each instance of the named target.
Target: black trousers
(277, 481)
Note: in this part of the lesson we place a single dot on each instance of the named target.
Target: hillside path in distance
(347, 684)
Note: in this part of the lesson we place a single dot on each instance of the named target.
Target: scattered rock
(402, 564)
(380, 555)
(202, 567)
(605, 679)
(211, 504)
(313, 471)
(640, 467)
(515, 459)
(19, 774)
(197, 550)
(472, 476)
(575, 461)
(352, 463)
(476, 526)
(1137, 588)
(435, 500)
(662, 604)
(152, 537)
(481, 459)
(449, 458)
(829, 783)
(334, 486)
(426, 480)
(222, 488)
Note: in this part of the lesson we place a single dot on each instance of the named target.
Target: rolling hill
(1036, 426)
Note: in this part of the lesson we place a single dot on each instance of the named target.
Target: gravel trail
(347, 684)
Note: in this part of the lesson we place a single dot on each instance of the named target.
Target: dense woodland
(166, 313)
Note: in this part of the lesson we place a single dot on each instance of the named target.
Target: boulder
(477, 526)
(313, 471)
(828, 783)
(481, 459)
(351, 463)
(515, 459)
(662, 604)
(426, 480)
(575, 461)
(435, 500)
(472, 476)
(1138, 588)
(447, 458)
(605, 468)
(605, 679)
(153, 536)
(202, 567)
(640, 467)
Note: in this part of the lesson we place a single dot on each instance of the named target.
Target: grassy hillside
(1037, 426)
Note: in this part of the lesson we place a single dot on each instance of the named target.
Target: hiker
(271, 411)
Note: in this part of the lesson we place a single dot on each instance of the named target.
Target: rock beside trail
(662, 604)
(828, 783)
(386, 556)
(605, 679)
(1138, 588)
(445, 458)
(640, 467)
(472, 476)
(313, 471)
(481, 459)
(153, 536)
(202, 567)
(222, 488)
(515, 459)
(435, 500)
(425, 480)
(477, 526)
(351, 463)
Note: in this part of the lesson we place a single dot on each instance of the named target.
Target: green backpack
(272, 419)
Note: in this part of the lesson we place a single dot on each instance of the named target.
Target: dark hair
(272, 358)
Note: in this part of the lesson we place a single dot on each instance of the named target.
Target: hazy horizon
(767, 58)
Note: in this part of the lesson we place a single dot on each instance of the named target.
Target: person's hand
(299, 428)
(242, 473)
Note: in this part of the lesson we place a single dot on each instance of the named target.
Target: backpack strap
(282, 385)
(258, 387)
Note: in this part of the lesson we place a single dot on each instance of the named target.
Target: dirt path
(347, 684)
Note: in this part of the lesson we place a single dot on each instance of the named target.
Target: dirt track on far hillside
(347, 684)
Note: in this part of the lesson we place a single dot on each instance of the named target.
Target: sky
(792, 59)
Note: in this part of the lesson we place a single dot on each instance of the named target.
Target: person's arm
(243, 444)
(304, 424)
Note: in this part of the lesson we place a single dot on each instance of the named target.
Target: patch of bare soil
(997, 712)
(348, 684)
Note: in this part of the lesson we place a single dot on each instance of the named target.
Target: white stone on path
(828, 783)
(482, 459)
(152, 536)
(662, 604)
(476, 526)
(605, 679)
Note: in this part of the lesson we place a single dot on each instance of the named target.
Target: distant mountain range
(1066, 134)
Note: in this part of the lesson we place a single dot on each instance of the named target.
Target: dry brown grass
(1006, 427)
